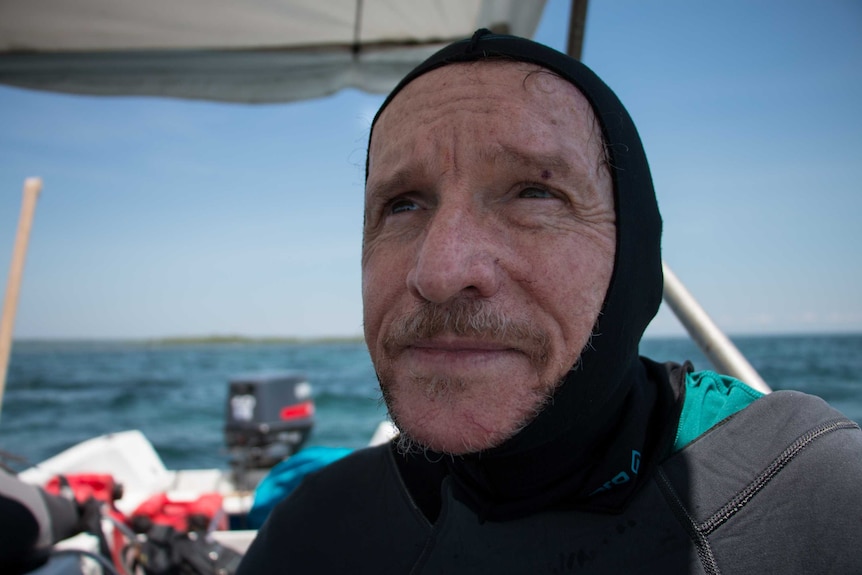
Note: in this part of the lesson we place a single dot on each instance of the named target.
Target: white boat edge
(130, 458)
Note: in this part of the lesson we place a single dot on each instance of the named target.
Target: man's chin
(469, 411)
(456, 428)
(448, 443)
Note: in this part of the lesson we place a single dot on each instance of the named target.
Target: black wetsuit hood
(607, 412)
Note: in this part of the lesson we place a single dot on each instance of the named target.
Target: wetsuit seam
(742, 498)
(701, 543)
(405, 492)
(431, 540)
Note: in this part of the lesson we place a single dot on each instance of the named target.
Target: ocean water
(60, 393)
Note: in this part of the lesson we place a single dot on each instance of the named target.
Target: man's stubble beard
(406, 443)
(465, 317)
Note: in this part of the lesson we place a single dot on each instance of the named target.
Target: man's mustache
(467, 317)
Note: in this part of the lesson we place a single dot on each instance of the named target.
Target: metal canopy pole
(709, 338)
(32, 187)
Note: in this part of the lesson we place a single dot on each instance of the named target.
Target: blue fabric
(709, 399)
(286, 476)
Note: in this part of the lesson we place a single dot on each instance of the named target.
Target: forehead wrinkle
(425, 102)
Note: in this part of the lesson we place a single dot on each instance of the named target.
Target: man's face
(488, 249)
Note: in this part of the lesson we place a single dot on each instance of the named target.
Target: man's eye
(402, 205)
(533, 192)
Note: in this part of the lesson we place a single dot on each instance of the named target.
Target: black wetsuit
(775, 489)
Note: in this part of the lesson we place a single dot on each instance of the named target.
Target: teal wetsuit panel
(709, 399)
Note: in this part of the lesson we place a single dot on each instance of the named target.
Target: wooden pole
(32, 187)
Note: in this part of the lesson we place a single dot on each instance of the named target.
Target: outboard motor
(269, 417)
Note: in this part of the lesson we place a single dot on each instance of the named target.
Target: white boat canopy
(250, 51)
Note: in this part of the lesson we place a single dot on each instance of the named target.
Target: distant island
(240, 339)
(195, 340)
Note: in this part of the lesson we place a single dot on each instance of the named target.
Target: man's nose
(456, 258)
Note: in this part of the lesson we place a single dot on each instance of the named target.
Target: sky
(163, 218)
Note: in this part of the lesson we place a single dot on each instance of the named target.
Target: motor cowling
(269, 417)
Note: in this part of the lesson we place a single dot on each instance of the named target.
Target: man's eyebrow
(385, 186)
(511, 155)
(548, 164)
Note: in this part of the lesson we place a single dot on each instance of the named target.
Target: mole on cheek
(546, 174)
